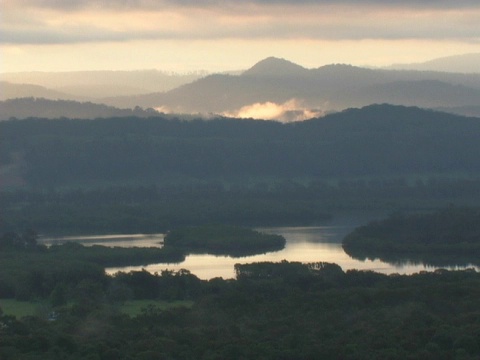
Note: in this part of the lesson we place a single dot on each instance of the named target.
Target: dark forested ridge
(450, 235)
(153, 174)
(375, 141)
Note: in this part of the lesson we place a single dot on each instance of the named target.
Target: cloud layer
(217, 35)
(161, 4)
(83, 21)
(289, 111)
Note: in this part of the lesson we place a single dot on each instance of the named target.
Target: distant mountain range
(328, 88)
(97, 84)
(14, 91)
(22, 108)
(279, 89)
(466, 63)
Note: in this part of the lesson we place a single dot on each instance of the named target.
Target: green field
(20, 309)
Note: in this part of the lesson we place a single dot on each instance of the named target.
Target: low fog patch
(289, 111)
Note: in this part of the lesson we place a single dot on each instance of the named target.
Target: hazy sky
(187, 35)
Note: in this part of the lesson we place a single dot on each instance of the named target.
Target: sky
(213, 35)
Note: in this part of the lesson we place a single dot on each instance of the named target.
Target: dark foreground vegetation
(30, 270)
(450, 236)
(270, 311)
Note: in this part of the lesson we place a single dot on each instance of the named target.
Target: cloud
(291, 110)
(329, 25)
(88, 21)
(73, 5)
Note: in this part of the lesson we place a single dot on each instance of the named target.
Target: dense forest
(286, 310)
(376, 141)
(150, 175)
(452, 233)
(270, 311)
(223, 240)
(133, 175)
(151, 209)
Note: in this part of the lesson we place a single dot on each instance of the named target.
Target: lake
(304, 244)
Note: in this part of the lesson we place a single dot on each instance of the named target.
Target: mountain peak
(275, 67)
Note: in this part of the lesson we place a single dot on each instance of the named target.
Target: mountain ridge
(381, 141)
(274, 87)
(91, 84)
(328, 88)
(464, 63)
(22, 108)
(10, 91)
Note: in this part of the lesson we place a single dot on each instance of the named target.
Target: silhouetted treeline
(375, 141)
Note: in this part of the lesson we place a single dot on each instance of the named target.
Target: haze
(183, 36)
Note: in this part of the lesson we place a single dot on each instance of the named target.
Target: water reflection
(138, 240)
(304, 244)
(451, 260)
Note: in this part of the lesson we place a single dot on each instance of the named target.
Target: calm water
(138, 240)
(304, 244)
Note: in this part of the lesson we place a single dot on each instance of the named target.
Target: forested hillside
(147, 175)
(451, 234)
(376, 141)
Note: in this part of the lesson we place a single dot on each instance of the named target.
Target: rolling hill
(377, 141)
(83, 85)
(271, 89)
(22, 108)
(328, 88)
(12, 91)
(465, 63)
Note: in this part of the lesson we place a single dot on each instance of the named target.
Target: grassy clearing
(20, 309)
(134, 307)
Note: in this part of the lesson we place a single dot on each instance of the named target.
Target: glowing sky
(187, 35)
